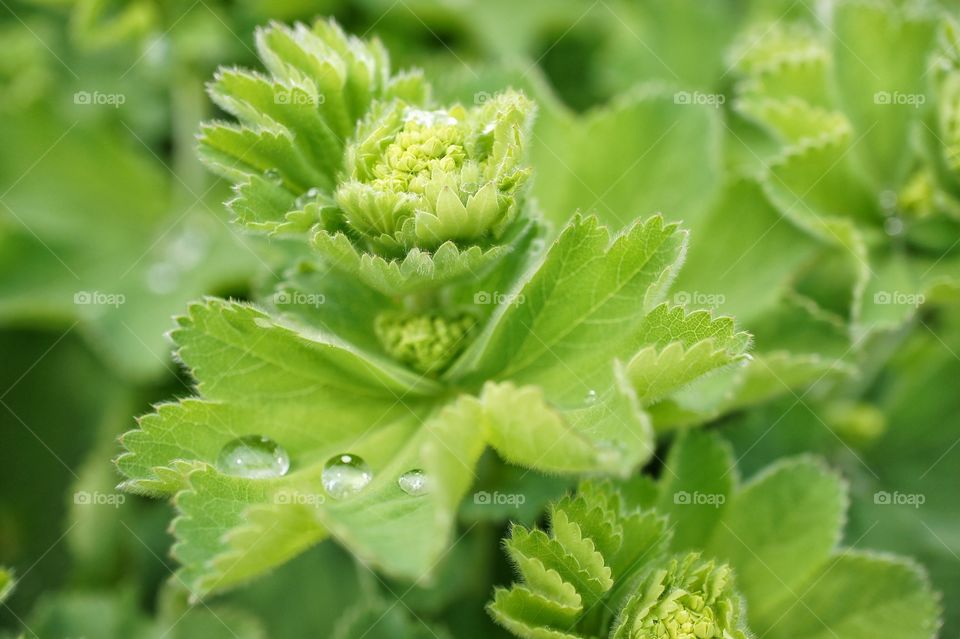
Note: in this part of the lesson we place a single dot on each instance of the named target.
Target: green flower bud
(690, 599)
(417, 178)
(426, 342)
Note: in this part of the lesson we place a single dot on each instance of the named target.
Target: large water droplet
(253, 457)
(345, 475)
(413, 482)
(273, 175)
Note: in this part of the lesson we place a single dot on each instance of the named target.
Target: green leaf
(860, 594)
(741, 267)
(417, 270)
(880, 55)
(7, 583)
(683, 347)
(382, 620)
(581, 308)
(650, 139)
(680, 42)
(698, 480)
(117, 253)
(260, 378)
(777, 530)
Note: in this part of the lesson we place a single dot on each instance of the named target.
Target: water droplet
(253, 457)
(893, 226)
(274, 176)
(307, 198)
(429, 118)
(469, 187)
(345, 475)
(609, 452)
(413, 482)
(590, 397)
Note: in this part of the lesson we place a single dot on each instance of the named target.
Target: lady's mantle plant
(698, 556)
(422, 322)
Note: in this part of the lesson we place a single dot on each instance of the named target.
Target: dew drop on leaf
(590, 397)
(345, 475)
(307, 198)
(253, 457)
(609, 452)
(413, 482)
(273, 175)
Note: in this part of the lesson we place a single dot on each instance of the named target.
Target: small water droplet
(345, 475)
(413, 482)
(893, 226)
(609, 452)
(253, 457)
(273, 175)
(590, 397)
(469, 187)
(307, 198)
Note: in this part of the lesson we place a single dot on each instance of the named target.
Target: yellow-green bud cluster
(419, 178)
(426, 342)
(689, 599)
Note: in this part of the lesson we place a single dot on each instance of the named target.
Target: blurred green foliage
(109, 226)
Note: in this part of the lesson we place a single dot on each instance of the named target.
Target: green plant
(474, 285)
(422, 361)
(697, 555)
